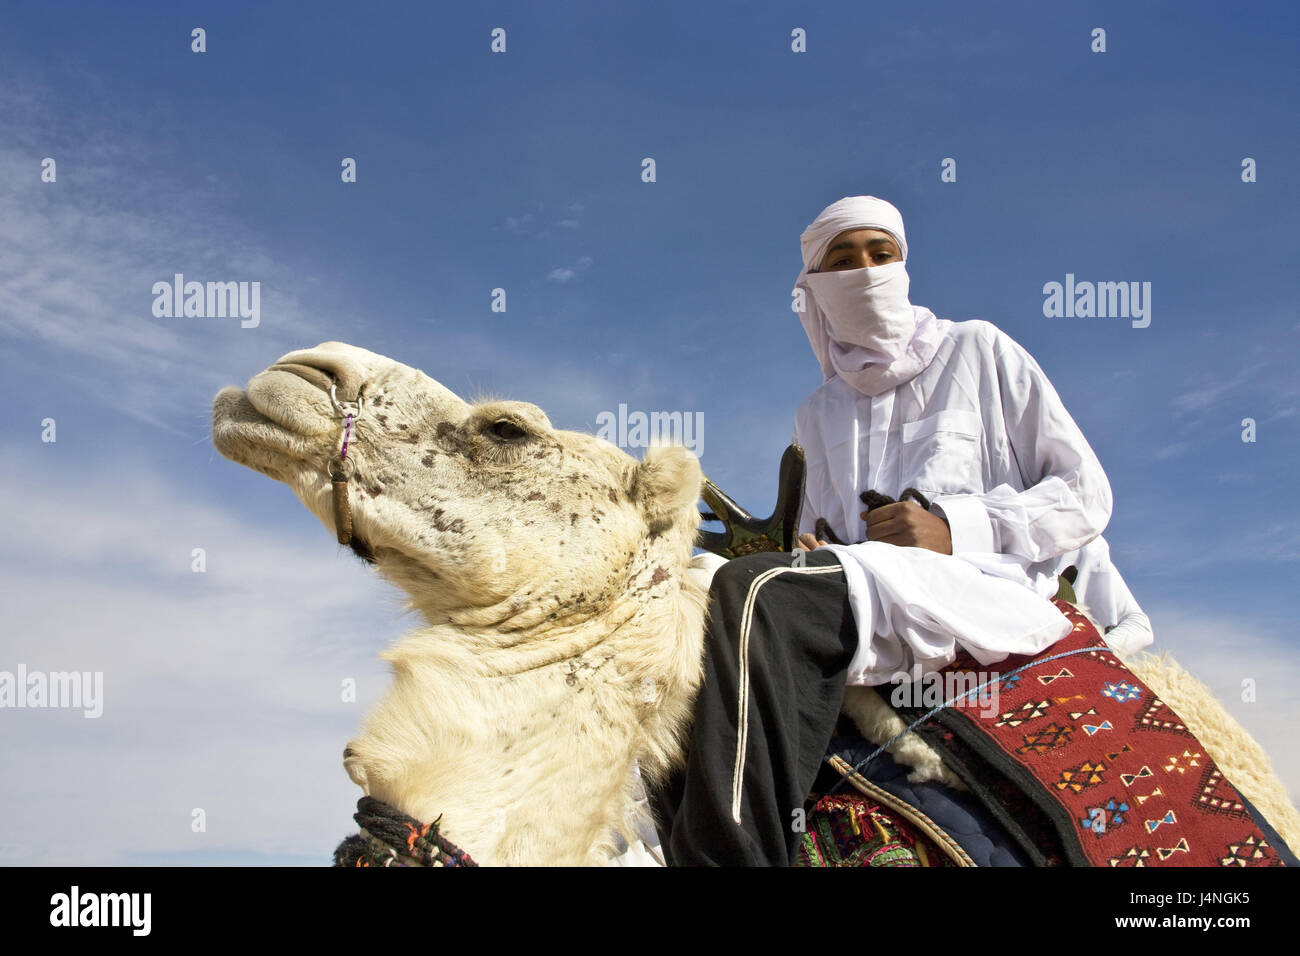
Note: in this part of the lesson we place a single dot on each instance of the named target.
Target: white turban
(860, 322)
(851, 212)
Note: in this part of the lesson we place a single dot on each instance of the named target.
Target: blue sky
(522, 171)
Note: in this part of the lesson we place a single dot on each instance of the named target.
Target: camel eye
(507, 430)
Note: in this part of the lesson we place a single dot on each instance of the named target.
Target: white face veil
(860, 323)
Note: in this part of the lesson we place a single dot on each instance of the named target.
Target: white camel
(563, 620)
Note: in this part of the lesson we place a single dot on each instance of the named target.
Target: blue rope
(948, 703)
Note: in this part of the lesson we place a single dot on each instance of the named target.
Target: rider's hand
(908, 525)
(807, 542)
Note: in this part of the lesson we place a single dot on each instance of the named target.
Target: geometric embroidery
(1087, 774)
(1046, 749)
(1208, 800)
(1157, 792)
(1240, 854)
(1128, 778)
(1187, 756)
(1009, 683)
(1151, 719)
(1122, 692)
(1114, 813)
(1104, 657)
(1180, 847)
(1048, 678)
(1047, 738)
(1133, 856)
(1167, 818)
(1026, 711)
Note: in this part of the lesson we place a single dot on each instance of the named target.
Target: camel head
(484, 513)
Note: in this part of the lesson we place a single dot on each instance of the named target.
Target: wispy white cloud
(567, 273)
(79, 257)
(1223, 652)
(1170, 451)
(519, 225)
(530, 223)
(222, 690)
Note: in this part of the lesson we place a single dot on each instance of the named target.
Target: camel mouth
(295, 398)
(243, 432)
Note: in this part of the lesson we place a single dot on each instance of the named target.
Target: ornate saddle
(743, 533)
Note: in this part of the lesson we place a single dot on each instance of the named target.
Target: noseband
(342, 468)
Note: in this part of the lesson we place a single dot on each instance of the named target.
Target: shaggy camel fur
(562, 631)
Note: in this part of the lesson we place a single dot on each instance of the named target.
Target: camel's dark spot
(535, 496)
(455, 527)
(427, 460)
(573, 519)
(445, 429)
(382, 419)
(613, 497)
(554, 506)
(660, 575)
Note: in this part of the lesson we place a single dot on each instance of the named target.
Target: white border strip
(742, 696)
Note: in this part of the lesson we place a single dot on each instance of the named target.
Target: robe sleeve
(1067, 497)
(1106, 598)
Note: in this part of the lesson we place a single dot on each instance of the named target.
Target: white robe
(1102, 593)
(982, 433)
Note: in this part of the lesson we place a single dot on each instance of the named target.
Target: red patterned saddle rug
(1086, 766)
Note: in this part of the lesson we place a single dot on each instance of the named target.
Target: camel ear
(666, 482)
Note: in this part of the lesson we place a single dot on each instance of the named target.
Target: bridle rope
(388, 837)
(343, 468)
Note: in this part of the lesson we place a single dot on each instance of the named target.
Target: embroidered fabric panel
(850, 830)
(1122, 779)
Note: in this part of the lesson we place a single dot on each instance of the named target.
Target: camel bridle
(342, 468)
(388, 837)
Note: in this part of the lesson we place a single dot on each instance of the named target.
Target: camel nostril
(322, 380)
